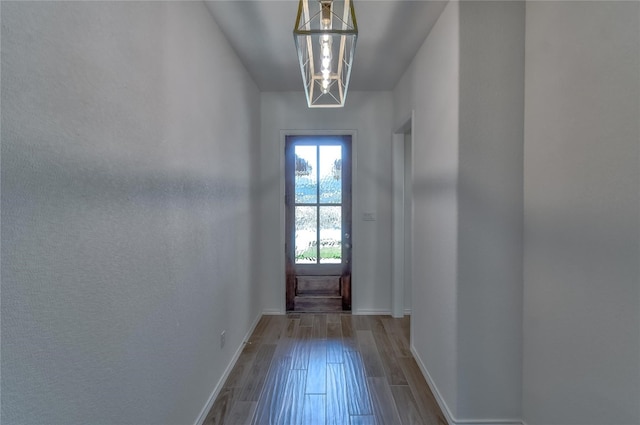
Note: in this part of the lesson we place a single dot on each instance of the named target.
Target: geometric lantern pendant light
(325, 35)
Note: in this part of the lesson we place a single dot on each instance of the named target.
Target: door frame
(355, 228)
(296, 271)
(400, 228)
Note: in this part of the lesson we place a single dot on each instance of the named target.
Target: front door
(318, 223)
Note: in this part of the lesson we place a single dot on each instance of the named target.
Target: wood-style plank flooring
(326, 369)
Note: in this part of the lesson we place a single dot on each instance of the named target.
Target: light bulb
(325, 86)
(326, 51)
(326, 63)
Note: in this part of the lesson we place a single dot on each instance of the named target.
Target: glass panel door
(318, 189)
(318, 204)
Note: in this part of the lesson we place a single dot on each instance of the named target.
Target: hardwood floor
(326, 369)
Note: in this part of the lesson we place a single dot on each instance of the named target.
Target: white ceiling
(390, 33)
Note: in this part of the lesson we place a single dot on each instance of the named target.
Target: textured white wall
(129, 145)
(466, 85)
(582, 211)
(370, 115)
(430, 87)
(490, 209)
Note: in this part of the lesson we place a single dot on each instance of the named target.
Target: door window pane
(306, 182)
(330, 234)
(330, 174)
(306, 235)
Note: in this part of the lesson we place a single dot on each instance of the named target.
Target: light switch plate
(369, 216)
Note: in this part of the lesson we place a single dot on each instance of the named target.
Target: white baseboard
(434, 389)
(379, 312)
(489, 422)
(358, 312)
(371, 312)
(451, 420)
(212, 398)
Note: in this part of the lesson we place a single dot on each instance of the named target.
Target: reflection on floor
(322, 369)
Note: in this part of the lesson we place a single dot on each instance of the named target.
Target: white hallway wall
(430, 87)
(127, 216)
(149, 303)
(490, 209)
(370, 115)
(466, 85)
(582, 213)
(580, 210)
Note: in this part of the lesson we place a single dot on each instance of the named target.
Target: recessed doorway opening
(402, 219)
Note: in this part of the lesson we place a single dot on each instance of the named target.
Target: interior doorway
(318, 235)
(402, 219)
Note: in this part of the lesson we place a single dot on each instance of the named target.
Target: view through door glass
(318, 187)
